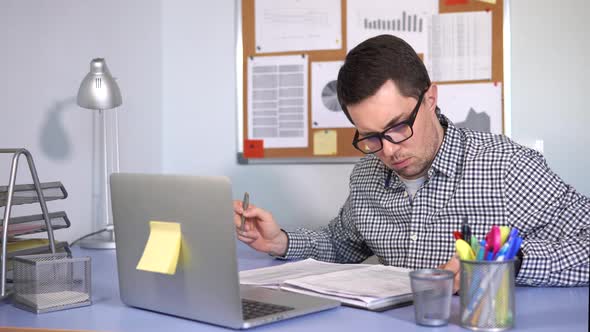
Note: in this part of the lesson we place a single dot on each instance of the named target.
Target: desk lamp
(99, 91)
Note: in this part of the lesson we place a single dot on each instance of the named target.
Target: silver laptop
(206, 285)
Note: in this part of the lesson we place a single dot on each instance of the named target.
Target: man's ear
(432, 97)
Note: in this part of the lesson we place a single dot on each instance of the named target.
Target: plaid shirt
(487, 178)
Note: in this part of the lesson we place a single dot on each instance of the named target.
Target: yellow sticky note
(162, 248)
(325, 142)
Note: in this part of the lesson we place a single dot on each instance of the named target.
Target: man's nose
(389, 149)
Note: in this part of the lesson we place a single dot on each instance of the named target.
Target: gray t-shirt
(412, 186)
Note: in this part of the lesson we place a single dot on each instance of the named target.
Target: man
(422, 176)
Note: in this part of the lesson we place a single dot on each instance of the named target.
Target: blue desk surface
(538, 309)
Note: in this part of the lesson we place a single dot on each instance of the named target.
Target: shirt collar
(449, 156)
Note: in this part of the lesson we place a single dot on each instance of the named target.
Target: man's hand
(454, 266)
(261, 232)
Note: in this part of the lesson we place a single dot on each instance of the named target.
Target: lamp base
(8, 292)
(99, 241)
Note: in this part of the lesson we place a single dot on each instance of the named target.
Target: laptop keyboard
(254, 309)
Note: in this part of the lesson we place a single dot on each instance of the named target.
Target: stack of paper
(373, 287)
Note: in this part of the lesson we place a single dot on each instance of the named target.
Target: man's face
(411, 158)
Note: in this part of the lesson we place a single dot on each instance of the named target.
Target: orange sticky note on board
(253, 148)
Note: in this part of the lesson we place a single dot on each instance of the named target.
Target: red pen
(457, 235)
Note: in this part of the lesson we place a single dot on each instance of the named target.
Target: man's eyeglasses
(395, 134)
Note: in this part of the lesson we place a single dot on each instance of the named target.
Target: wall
(550, 51)
(199, 105)
(45, 51)
(175, 63)
(200, 119)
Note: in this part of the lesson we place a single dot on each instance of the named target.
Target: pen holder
(487, 295)
(50, 282)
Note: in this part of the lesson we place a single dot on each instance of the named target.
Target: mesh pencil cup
(487, 295)
(50, 282)
(432, 290)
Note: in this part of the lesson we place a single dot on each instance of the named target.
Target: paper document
(477, 106)
(407, 20)
(26, 244)
(275, 275)
(162, 248)
(325, 107)
(277, 100)
(297, 25)
(50, 300)
(460, 47)
(373, 287)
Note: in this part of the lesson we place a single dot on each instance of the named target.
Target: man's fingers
(245, 239)
(258, 213)
(237, 206)
(246, 233)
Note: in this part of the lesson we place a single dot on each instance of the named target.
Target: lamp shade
(98, 90)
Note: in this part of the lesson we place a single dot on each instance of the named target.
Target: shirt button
(405, 194)
(414, 237)
(529, 282)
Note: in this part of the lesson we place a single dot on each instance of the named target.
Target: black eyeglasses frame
(382, 135)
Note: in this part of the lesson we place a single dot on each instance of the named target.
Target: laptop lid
(205, 286)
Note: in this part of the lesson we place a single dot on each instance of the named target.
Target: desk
(537, 309)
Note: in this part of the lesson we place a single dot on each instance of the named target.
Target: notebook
(205, 285)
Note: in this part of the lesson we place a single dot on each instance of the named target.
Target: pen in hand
(245, 204)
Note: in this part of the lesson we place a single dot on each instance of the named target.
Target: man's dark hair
(371, 63)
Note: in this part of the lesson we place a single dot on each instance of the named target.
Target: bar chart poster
(405, 19)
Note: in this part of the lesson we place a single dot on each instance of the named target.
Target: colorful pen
(464, 250)
(504, 232)
(474, 244)
(493, 239)
(502, 252)
(482, 250)
(515, 247)
(466, 230)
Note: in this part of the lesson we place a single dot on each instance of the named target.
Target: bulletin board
(251, 150)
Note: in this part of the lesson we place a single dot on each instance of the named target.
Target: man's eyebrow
(393, 122)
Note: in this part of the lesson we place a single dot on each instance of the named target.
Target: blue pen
(510, 254)
(511, 237)
(482, 250)
(515, 247)
(513, 234)
(502, 252)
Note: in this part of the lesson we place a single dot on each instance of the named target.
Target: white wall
(174, 61)
(550, 73)
(45, 51)
(200, 127)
